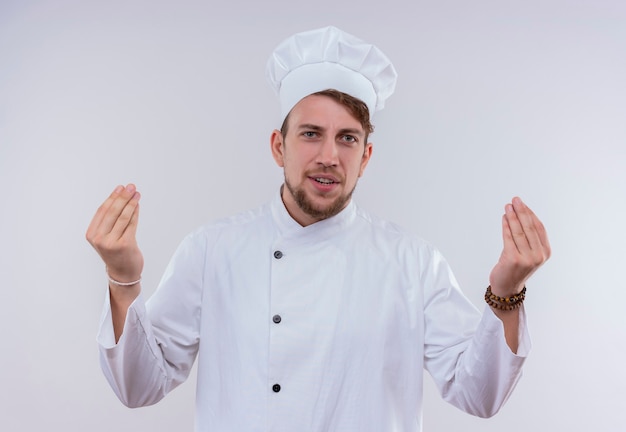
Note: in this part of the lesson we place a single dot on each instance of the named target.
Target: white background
(494, 99)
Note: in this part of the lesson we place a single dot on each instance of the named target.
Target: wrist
(506, 290)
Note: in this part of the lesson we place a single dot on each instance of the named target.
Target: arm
(144, 352)
(112, 233)
(476, 365)
(526, 248)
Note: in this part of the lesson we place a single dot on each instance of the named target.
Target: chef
(310, 313)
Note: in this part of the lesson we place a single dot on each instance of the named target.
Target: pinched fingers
(100, 213)
(126, 222)
(114, 216)
(119, 209)
(522, 228)
(526, 248)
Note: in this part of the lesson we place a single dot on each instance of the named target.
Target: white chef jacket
(320, 328)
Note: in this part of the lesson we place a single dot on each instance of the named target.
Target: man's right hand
(112, 233)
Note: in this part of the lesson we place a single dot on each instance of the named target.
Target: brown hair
(355, 106)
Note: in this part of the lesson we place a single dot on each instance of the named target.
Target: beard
(317, 212)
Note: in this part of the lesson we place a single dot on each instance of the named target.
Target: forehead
(324, 112)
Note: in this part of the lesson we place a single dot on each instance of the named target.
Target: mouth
(324, 180)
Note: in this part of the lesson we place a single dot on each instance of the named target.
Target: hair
(355, 106)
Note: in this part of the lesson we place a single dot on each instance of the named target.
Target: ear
(277, 147)
(367, 154)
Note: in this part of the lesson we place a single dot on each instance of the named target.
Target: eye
(309, 134)
(348, 138)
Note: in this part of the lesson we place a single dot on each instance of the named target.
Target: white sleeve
(466, 353)
(488, 370)
(160, 341)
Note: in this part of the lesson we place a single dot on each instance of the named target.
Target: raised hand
(526, 248)
(112, 233)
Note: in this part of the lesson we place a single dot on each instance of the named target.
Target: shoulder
(238, 225)
(400, 250)
(387, 234)
(386, 228)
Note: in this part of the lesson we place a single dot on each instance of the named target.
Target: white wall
(494, 99)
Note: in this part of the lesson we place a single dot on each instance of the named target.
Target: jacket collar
(288, 227)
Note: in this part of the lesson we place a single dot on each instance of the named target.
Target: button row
(277, 319)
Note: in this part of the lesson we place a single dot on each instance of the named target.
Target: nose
(327, 155)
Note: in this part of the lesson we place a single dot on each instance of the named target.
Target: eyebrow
(310, 126)
(314, 127)
(352, 131)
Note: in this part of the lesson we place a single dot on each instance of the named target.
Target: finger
(124, 220)
(543, 237)
(527, 220)
(507, 237)
(101, 212)
(517, 231)
(131, 228)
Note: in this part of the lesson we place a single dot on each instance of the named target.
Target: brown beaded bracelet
(505, 303)
(519, 297)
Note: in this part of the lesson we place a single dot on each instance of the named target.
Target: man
(310, 314)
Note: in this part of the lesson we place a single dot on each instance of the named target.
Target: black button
(276, 319)
(276, 388)
(278, 254)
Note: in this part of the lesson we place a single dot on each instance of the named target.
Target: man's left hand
(526, 248)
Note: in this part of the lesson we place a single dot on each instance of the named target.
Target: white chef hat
(329, 58)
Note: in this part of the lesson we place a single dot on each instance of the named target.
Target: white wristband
(113, 281)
